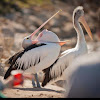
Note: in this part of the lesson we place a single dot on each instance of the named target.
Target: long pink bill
(61, 43)
(43, 24)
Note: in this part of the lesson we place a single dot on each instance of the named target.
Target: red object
(18, 79)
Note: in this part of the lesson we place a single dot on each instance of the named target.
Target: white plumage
(64, 61)
(47, 54)
(56, 70)
(82, 77)
(37, 54)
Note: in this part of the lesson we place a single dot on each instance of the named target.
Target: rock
(35, 20)
(67, 27)
(19, 27)
(6, 54)
(8, 43)
(26, 11)
(18, 38)
(56, 30)
(1, 52)
(55, 23)
(2, 69)
(1, 39)
(31, 29)
(10, 16)
(7, 31)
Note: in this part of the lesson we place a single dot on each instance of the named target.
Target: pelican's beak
(61, 43)
(43, 24)
(82, 20)
(36, 40)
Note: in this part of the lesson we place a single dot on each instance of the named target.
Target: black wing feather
(12, 60)
(47, 76)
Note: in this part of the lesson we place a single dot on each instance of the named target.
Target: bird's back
(82, 77)
(55, 71)
(33, 57)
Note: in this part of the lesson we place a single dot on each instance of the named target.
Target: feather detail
(15, 62)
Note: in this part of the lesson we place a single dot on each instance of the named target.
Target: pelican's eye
(27, 38)
(79, 12)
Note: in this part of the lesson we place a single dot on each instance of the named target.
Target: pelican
(42, 53)
(26, 43)
(38, 56)
(83, 77)
(55, 71)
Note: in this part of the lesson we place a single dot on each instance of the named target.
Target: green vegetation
(9, 5)
(30, 3)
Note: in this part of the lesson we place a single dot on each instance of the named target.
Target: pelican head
(44, 37)
(78, 16)
(27, 42)
(78, 12)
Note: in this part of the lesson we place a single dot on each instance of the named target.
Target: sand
(27, 91)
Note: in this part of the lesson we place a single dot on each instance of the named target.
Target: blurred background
(19, 18)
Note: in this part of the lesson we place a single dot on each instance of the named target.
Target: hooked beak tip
(61, 43)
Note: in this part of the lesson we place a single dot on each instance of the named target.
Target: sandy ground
(27, 91)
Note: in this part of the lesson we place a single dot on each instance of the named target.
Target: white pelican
(54, 72)
(37, 56)
(83, 77)
(28, 42)
(42, 53)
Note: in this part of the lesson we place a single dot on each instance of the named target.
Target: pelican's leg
(37, 81)
(33, 82)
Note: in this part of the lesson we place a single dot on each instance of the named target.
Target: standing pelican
(27, 42)
(34, 58)
(55, 71)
